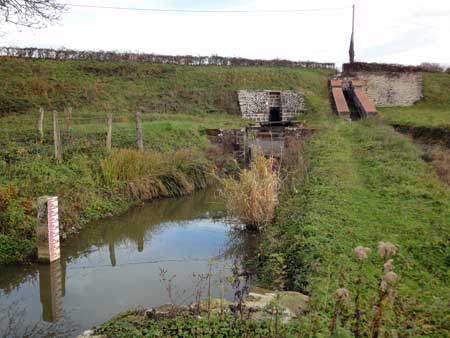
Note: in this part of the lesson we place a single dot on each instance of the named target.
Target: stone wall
(387, 85)
(292, 104)
(255, 104)
(388, 89)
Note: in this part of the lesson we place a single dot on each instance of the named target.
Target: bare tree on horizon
(30, 13)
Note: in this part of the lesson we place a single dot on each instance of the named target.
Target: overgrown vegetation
(219, 318)
(92, 182)
(133, 324)
(366, 184)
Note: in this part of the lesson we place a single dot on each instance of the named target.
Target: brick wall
(255, 105)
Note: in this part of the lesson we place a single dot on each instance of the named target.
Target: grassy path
(369, 184)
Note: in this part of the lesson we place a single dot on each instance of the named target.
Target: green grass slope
(128, 86)
(432, 111)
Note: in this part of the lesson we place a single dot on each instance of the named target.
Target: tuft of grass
(149, 175)
(253, 196)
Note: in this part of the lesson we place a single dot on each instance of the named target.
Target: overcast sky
(400, 31)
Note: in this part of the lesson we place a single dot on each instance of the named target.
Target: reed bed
(148, 175)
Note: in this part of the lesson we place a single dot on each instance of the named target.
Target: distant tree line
(67, 54)
(434, 67)
(388, 67)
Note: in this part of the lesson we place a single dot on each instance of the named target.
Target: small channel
(114, 265)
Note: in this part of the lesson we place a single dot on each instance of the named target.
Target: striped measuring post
(48, 229)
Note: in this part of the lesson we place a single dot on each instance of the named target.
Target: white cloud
(386, 31)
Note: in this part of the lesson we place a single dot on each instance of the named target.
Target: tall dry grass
(148, 175)
(253, 196)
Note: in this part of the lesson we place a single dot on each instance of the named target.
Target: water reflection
(112, 253)
(52, 280)
(115, 264)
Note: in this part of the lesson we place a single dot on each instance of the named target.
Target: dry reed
(253, 196)
(147, 175)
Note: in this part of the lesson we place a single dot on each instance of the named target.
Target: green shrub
(10, 104)
(15, 249)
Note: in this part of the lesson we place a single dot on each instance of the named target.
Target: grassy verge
(431, 112)
(367, 184)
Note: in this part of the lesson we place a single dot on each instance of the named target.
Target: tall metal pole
(351, 51)
(353, 20)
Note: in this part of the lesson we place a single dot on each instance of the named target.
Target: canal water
(117, 263)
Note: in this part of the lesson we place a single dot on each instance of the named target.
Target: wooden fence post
(57, 137)
(68, 115)
(109, 132)
(40, 125)
(139, 140)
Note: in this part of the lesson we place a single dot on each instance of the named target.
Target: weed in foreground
(363, 324)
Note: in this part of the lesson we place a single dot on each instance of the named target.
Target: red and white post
(48, 229)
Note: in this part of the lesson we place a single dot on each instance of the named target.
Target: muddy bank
(427, 135)
(436, 145)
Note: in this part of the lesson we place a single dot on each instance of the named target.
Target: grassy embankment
(428, 121)
(178, 103)
(365, 184)
(368, 184)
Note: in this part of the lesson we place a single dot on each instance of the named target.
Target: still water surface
(114, 265)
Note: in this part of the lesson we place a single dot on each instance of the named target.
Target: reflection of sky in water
(192, 240)
(115, 266)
